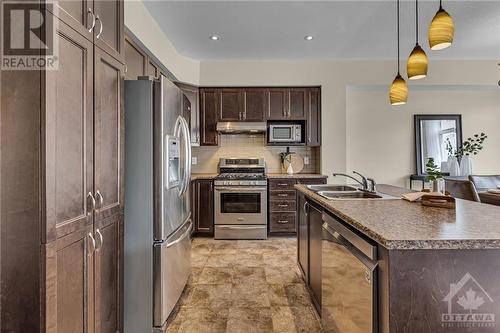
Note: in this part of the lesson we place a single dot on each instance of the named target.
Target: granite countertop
(295, 175)
(399, 224)
(195, 176)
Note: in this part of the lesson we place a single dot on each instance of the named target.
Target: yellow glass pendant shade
(417, 64)
(441, 31)
(399, 91)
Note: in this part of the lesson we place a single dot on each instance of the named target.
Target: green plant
(472, 146)
(449, 147)
(285, 156)
(432, 170)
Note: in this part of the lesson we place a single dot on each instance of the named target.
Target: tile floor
(245, 287)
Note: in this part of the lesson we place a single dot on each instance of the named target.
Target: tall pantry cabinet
(61, 163)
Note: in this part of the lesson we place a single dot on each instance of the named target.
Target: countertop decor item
(441, 201)
(398, 94)
(434, 176)
(295, 163)
(472, 146)
(417, 64)
(441, 30)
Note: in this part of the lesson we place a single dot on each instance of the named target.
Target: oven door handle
(241, 227)
(241, 189)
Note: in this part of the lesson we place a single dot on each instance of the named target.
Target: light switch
(194, 160)
(306, 160)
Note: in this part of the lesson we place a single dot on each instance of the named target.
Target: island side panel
(444, 291)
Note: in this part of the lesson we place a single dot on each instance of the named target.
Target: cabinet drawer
(282, 222)
(282, 206)
(282, 195)
(311, 181)
(281, 184)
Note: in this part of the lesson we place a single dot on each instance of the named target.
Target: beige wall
(249, 146)
(143, 26)
(336, 78)
(386, 148)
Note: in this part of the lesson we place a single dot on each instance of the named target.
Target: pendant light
(399, 90)
(417, 64)
(441, 30)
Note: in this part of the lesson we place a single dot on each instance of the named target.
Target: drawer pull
(282, 205)
(282, 221)
(282, 195)
(282, 184)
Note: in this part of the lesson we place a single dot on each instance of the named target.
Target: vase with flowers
(471, 147)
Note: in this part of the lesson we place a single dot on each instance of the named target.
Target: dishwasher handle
(337, 229)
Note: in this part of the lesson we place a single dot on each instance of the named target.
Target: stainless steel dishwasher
(348, 280)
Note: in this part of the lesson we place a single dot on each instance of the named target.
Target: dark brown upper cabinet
(209, 111)
(231, 105)
(255, 104)
(101, 21)
(108, 30)
(314, 118)
(277, 99)
(287, 103)
(78, 14)
(135, 60)
(297, 103)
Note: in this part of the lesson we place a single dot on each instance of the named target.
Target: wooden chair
(485, 182)
(462, 189)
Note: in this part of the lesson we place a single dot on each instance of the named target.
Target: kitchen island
(425, 269)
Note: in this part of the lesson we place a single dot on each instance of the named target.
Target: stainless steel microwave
(285, 133)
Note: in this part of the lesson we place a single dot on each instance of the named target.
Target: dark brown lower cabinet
(83, 280)
(315, 237)
(283, 205)
(303, 236)
(202, 206)
(108, 279)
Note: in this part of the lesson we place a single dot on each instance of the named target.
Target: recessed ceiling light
(214, 37)
(308, 37)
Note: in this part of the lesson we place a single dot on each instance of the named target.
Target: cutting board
(296, 161)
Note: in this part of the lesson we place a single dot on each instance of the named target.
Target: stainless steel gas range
(241, 199)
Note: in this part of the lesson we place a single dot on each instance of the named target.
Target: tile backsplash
(250, 146)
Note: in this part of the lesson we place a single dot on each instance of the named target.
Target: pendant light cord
(416, 21)
(397, 1)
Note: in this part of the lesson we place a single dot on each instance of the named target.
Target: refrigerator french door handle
(187, 168)
(178, 132)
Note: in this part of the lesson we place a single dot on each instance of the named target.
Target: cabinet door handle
(101, 240)
(101, 26)
(93, 19)
(93, 244)
(91, 200)
(305, 208)
(282, 221)
(99, 198)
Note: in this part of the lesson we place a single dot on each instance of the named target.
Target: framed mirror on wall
(433, 133)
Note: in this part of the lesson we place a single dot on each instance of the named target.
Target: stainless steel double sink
(345, 192)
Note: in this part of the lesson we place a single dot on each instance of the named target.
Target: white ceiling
(341, 29)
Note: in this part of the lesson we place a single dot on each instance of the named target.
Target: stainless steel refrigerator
(157, 203)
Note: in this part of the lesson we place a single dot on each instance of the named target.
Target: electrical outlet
(194, 160)
(306, 160)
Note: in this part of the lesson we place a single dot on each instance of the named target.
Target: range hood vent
(235, 127)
